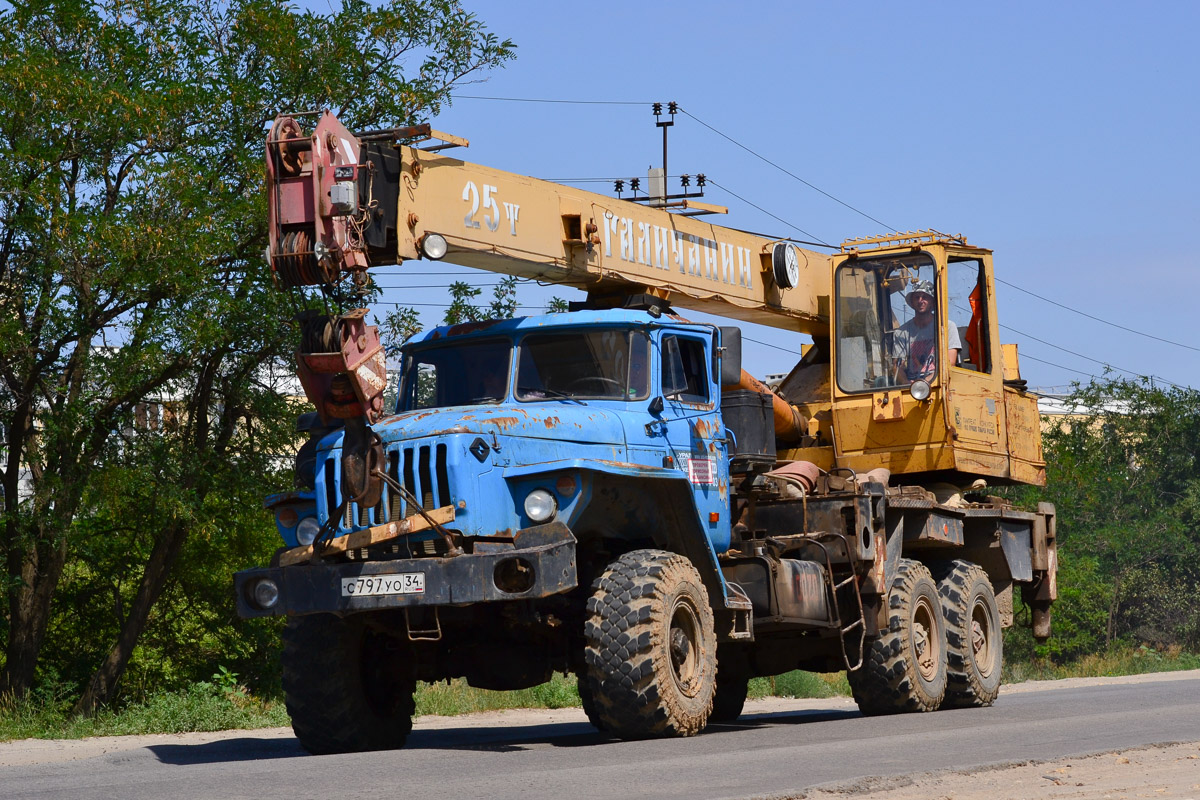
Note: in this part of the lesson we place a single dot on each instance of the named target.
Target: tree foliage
(132, 222)
(1124, 474)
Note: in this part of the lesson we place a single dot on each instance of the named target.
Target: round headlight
(540, 505)
(307, 530)
(919, 390)
(433, 246)
(266, 593)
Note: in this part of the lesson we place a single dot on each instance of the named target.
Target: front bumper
(539, 563)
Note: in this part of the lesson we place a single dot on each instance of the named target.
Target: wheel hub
(981, 639)
(681, 647)
(924, 628)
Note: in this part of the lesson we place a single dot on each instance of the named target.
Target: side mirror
(656, 405)
(730, 355)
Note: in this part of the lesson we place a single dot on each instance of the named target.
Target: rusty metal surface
(1015, 542)
(784, 590)
(309, 244)
(935, 529)
(342, 366)
(470, 578)
(374, 535)
(998, 513)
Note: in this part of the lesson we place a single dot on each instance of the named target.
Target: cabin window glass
(684, 370)
(588, 365)
(456, 374)
(968, 311)
(887, 331)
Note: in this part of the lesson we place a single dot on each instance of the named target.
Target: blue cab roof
(570, 319)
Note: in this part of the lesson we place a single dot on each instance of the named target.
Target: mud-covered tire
(974, 639)
(347, 688)
(651, 647)
(730, 697)
(588, 701)
(904, 669)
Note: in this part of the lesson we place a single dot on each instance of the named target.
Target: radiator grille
(421, 470)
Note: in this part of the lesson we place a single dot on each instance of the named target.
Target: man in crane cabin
(915, 342)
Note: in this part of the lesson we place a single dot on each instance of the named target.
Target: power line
(405, 273)
(544, 100)
(442, 305)
(787, 172)
(579, 180)
(1093, 360)
(772, 346)
(1059, 366)
(1097, 319)
(438, 286)
(769, 214)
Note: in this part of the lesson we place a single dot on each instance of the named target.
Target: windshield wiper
(551, 392)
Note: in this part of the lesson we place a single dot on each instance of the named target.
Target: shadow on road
(494, 739)
(245, 748)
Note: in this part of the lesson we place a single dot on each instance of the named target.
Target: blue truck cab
(564, 418)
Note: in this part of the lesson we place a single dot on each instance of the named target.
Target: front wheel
(974, 643)
(905, 668)
(651, 647)
(347, 688)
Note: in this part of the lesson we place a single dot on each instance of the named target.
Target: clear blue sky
(1064, 136)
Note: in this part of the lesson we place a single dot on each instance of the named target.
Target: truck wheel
(905, 668)
(347, 688)
(974, 643)
(730, 697)
(588, 701)
(651, 647)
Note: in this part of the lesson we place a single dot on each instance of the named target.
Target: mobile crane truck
(604, 491)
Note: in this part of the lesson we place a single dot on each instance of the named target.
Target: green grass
(455, 697)
(203, 707)
(800, 684)
(1117, 661)
(223, 704)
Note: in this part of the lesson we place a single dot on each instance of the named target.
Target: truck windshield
(458, 373)
(591, 364)
(887, 326)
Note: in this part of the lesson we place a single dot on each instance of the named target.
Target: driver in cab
(914, 343)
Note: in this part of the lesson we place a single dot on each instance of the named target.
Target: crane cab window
(888, 332)
(684, 369)
(968, 309)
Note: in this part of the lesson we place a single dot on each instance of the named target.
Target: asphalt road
(774, 753)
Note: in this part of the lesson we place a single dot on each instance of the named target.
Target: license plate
(377, 585)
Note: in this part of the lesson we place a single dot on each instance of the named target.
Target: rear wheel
(347, 688)
(651, 647)
(974, 643)
(905, 668)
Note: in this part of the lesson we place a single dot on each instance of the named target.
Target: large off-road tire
(974, 641)
(651, 647)
(347, 688)
(904, 669)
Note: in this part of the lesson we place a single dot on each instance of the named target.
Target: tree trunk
(154, 578)
(40, 569)
(1113, 607)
